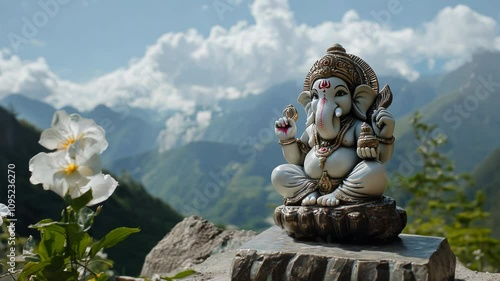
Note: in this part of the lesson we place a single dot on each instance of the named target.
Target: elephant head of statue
(338, 85)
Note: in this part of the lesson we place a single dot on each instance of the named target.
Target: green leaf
(112, 238)
(48, 224)
(102, 277)
(57, 226)
(82, 201)
(32, 268)
(79, 243)
(52, 243)
(58, 274)
(41, 225)
(184, 274)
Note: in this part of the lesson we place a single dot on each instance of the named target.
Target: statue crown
(338, 63)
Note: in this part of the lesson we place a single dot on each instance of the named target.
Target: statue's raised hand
(285, 128)
(383, 123)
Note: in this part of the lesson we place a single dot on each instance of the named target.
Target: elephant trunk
(328, 119)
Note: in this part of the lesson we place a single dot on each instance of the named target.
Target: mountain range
(243, 140)
(226, 175)
(130, 130)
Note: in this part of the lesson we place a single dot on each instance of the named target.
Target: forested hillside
(130, 205)
(487, 179)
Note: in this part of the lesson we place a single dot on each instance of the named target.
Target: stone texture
(218, 266)
(376, 221)
(190, 242)
(276, 255)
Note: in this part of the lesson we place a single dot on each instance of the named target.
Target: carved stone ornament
(373, 222)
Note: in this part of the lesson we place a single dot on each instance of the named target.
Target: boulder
(191, 242)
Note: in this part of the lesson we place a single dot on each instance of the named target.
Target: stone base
(372, 222)
(273, 255)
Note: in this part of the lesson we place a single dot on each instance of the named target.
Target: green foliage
(130, 204)
(439, 204)
(487, 178)
(180, 275)
(66, 251)
(472, 132)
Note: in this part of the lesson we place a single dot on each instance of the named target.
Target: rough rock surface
(218, 266)
(189, 243)
(411, 257)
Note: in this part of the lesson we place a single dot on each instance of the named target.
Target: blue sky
(181, 55)
(86, 39)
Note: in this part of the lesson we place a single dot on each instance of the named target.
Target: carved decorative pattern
(337, 63)
(375, 221)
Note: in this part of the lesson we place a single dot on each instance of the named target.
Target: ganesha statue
(337, 164)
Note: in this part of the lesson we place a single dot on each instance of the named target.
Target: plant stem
(68, 242)
(85, 266)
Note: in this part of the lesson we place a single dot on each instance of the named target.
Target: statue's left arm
(383, 126)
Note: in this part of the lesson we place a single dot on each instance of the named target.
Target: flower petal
(79, 189)
(60, 118)
(89, 164)
(4, 211)
(67, 129)
(103, 187)
(52, 139)
(49, 169)
(60, 122)
(60, 185)
(43, 166)
(87, 128)
(93, 144)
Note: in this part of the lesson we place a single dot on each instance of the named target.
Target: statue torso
(340, 163)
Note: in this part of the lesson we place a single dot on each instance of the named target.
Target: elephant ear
(305, 99)
(363, 98)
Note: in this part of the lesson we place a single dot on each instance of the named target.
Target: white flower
(74, 172)
(4, 211)
(102, 187)
(61, 170)
(68, 129)
(75, 167)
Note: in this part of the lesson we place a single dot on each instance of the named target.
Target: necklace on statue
(325, 148)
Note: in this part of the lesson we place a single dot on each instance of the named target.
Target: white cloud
(183, 128)
(185, 70)
(32, 78)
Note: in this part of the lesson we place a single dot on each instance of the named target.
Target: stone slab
(273, 255)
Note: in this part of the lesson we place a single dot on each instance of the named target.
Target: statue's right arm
(293, 153)
(294, 149)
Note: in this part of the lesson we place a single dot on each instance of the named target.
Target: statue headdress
(337, 63)
(350, 68)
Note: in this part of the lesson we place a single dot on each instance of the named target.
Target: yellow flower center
(68, 142)
(71, 168)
